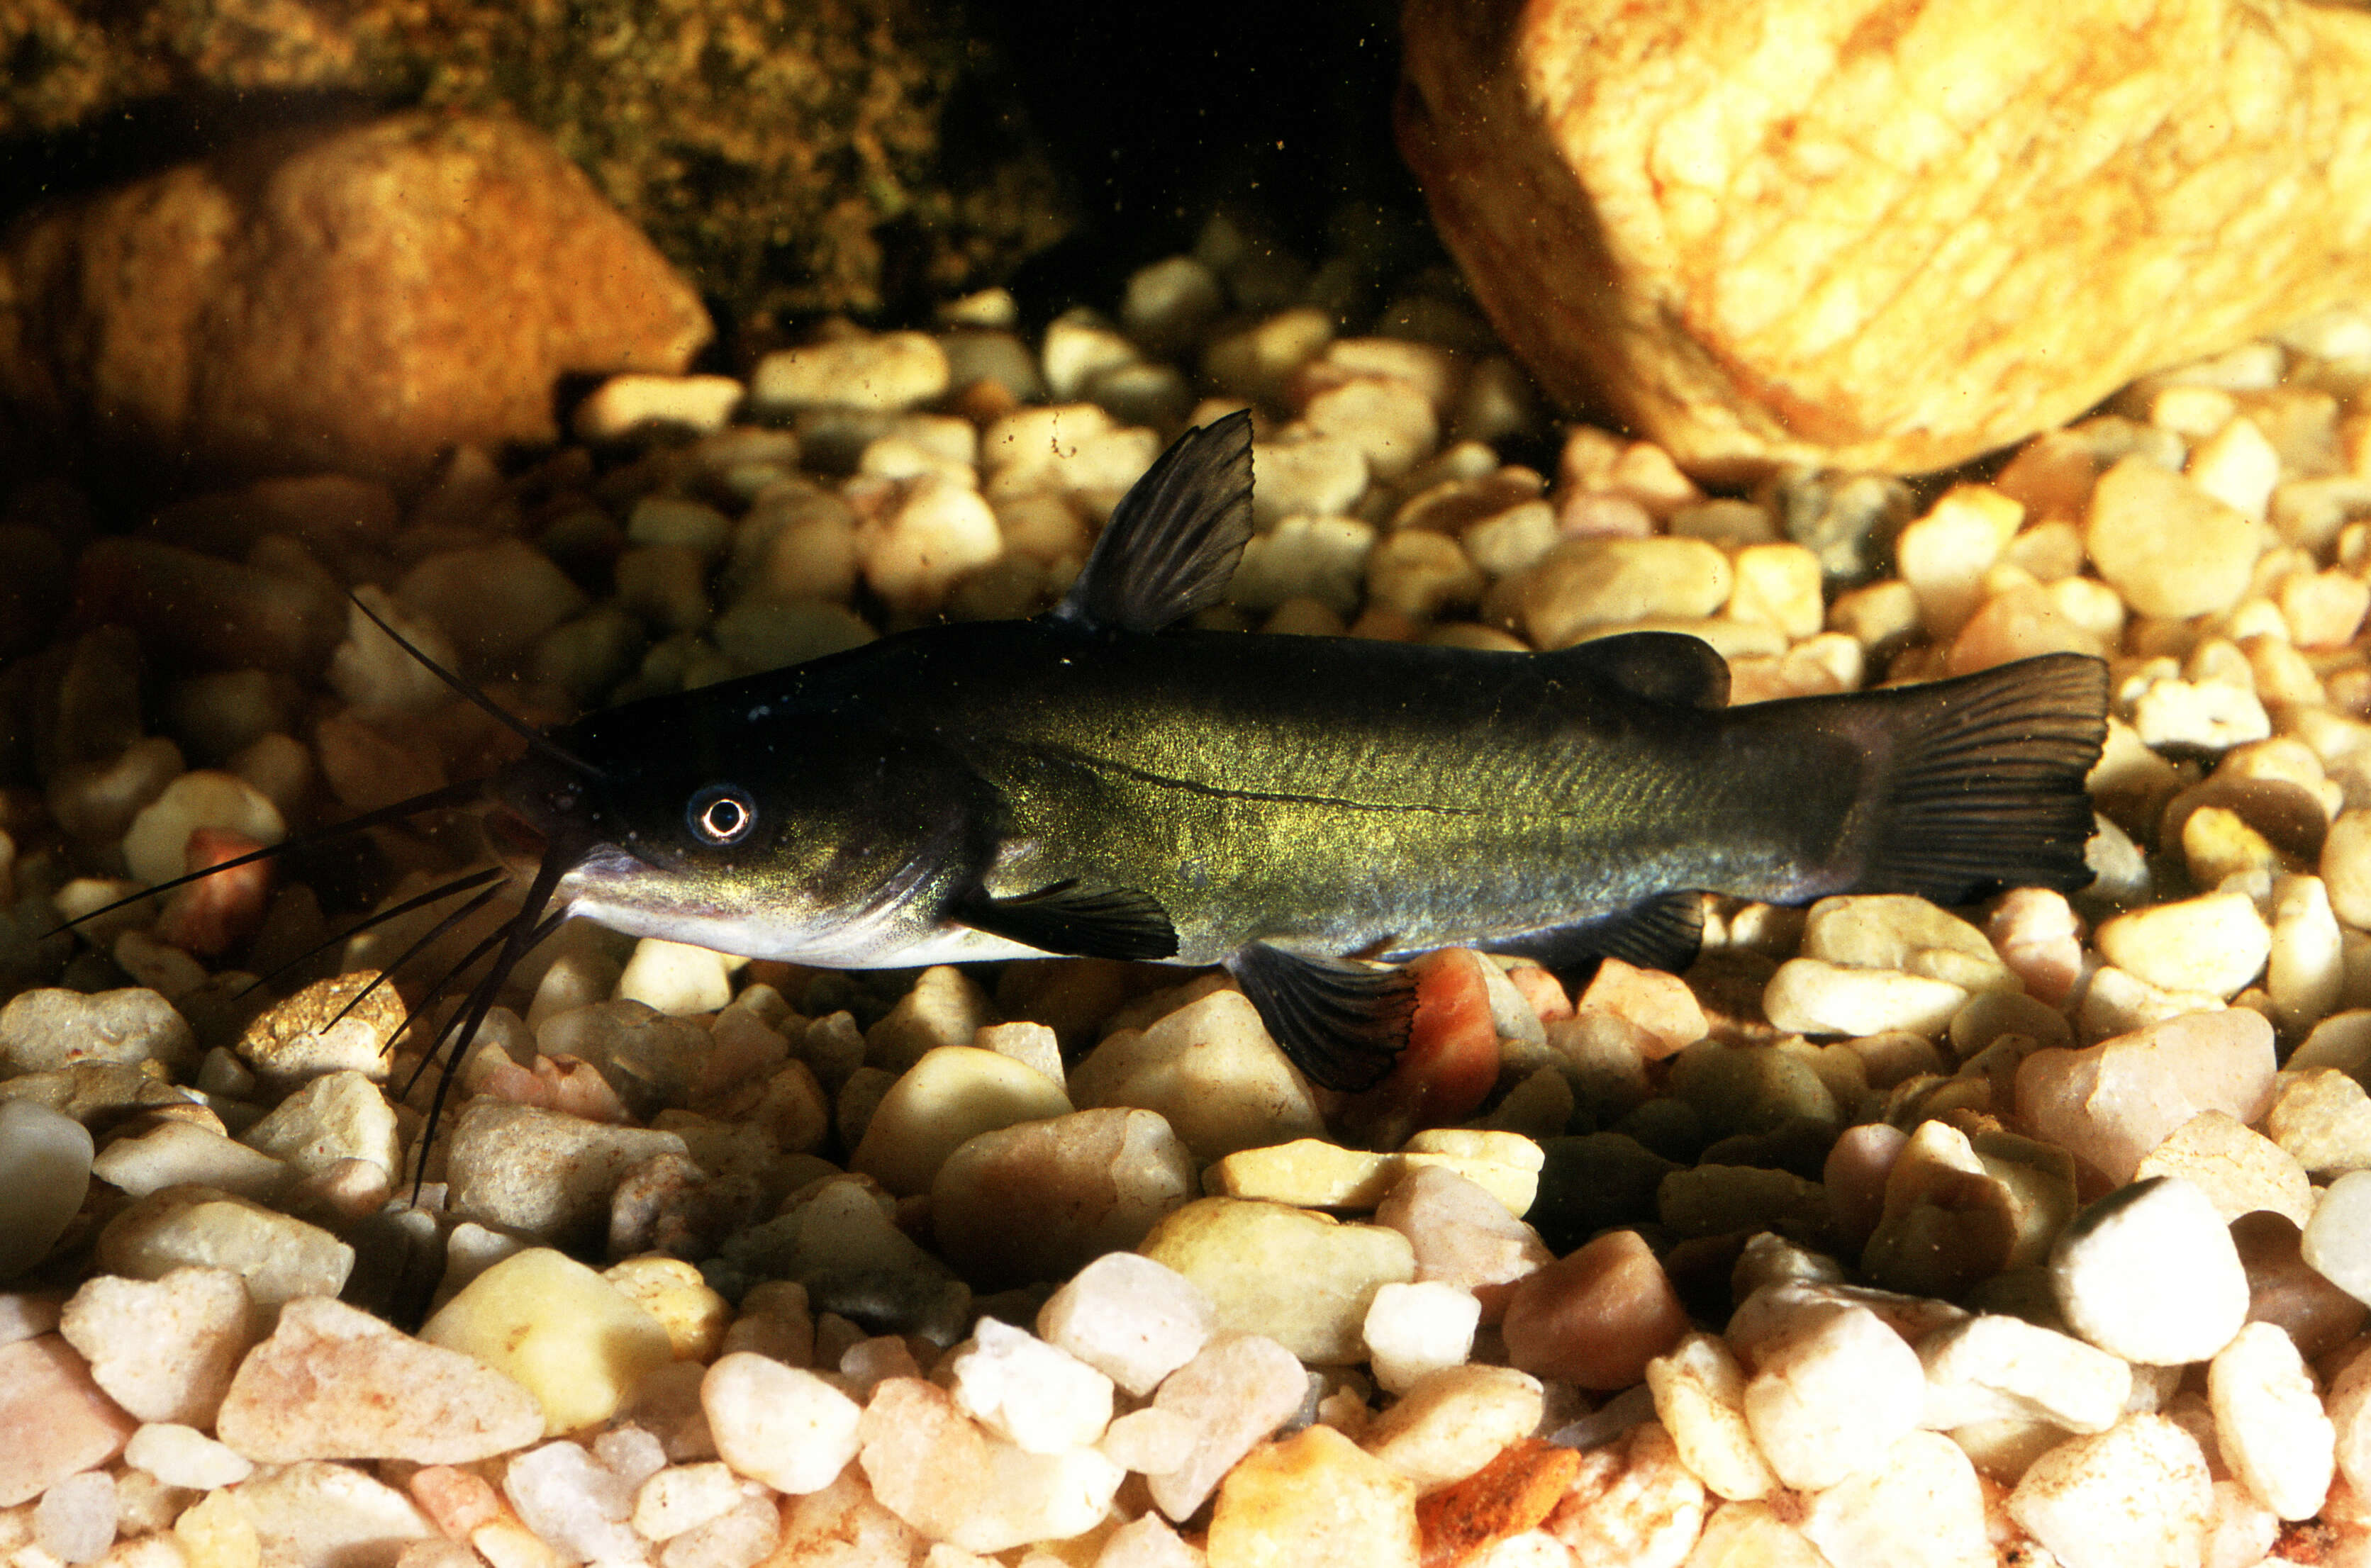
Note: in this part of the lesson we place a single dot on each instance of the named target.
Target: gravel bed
(1888, 1235)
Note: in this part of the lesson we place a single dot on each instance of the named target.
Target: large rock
(787, 153)
(358, 298)
(1880, 236)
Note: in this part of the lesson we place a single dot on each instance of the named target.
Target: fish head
(786, 836)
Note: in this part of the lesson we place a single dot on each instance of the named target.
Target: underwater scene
(881, 784)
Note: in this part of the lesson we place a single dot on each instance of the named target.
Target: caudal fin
(1976, 784)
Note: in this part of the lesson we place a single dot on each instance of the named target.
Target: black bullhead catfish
(1102, 781)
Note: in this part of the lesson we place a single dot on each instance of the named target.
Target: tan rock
(1454, 1422)
(1041, 1200)
(361, 300)
(1842, 234)
(1298, 1278)
(166, 1349)
(333, 1382)
(1313, 1498)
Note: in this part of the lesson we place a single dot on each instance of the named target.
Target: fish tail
(1977, 784)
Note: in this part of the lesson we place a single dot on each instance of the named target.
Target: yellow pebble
(673, 1291)
(574, 1340)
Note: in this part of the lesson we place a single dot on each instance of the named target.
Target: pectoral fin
(1661, 932)
(1175, 539)
(1343, 1026)
(1070, 918)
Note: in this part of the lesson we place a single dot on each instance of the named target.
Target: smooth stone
(1041, 1200)
(2167, 546)
(945, 1007)
(1211, 1070)
(2217, 943)
(1699, 1394)
(1463, 1232)
(576, 1343)
(324, 1029)
(778, 1424)
(1896, 931)
(1413, 1330)
(183, 1456)
(180, 1154)
(2337, 1242)
(931, 1467)
(337, 1116)
(2137, 1492)
(45, 1166)
(2150, 1274)
(1993, 1367)
(1809, 996)
(2110, 1104)
(1236, 1391)
(1833, 1387)
(1132, 1318)
(2269, 1422)
(1295, 1277)
(952, 1094)
(1454, 1422)
(1028, 1391)
(280, 1258)
(1922, 1507)
(1597, 1317)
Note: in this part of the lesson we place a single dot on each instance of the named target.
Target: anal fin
(1343, 1025)
(1069, 918)
(1661, 932)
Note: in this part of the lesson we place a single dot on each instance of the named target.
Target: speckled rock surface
(1721, 222)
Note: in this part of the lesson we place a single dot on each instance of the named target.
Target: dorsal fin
(1175, 538)
(1656, 666)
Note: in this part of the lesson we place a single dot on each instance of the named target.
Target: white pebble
(742, 1535)
(1412, 1330)
(1129, 1318)
(778, 1424)
(2269, 1421)
(2214, 944)
(1996, 1368)
(2137, 1493)
(2210, 715)
(577, 1506)
(2337, 1242)
(1809, 996)
(1014, 1383)
(2149, 1273)
(895, 370)
(183, 1456)
(74, 1520)
(1832, 1392)
(684, 1497)
(155, 845)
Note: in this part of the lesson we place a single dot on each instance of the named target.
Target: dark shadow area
(1162, 113)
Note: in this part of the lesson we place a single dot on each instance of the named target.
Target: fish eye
(721, 815)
